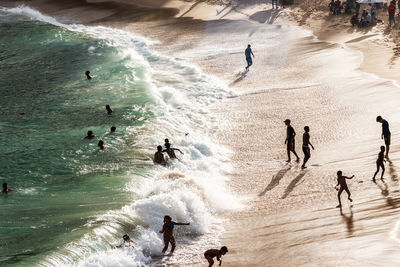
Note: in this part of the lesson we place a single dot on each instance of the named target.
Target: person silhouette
(341, 180)
(87, 73)
(248, 53)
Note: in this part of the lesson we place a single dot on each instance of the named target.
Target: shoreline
(242, 109)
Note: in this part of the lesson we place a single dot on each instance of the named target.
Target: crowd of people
(341, 180)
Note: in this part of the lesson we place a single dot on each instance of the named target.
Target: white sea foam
(191, 189)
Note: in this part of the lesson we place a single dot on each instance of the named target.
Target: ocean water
(72, 203)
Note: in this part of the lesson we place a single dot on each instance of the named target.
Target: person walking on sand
(159, 157)
(290, 144)
(341, 180)
(380, 164)
(391, 11)
(248, 53)
(305, 147)
(168, 231)
(386, 135)
(211, 253)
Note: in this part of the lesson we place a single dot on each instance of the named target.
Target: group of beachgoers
(341, 179)
(168, 236)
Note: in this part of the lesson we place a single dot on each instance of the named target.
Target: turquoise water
(61, 179)
(72, 202)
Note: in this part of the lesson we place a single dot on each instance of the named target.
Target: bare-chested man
(159, 156)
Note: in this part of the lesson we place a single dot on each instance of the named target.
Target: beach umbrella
(371, 1)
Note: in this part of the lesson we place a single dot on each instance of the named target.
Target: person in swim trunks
(168, 231)
(248, 53)
(211, 253)
(343, 187)
(386, 135)
(290, 135)
(159, 157)
(306, 148)
(380, 164)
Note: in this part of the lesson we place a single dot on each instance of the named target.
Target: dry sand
(290, 219)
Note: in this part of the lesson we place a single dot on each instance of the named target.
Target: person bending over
(211, 253)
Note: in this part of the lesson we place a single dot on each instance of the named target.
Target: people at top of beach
(100, 144)
(168, 231)
(89, 135)
(305, 147)
(386, 135)
(113, 128)
(380, 163)
(109, 110)
(5, 189)
(290, 140)
(392, 11)
(342, 186)
(159, 156)
(170, 151)
(212, 253)
(248, 53)
(126, 242)
(87, 73)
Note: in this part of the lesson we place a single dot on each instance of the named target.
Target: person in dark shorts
(391, 11)
(248, 53)
(386, 135)
(290, 144)
(211, 253)
(341, 180)
(305, 147)
(168, 231)
(380, 164)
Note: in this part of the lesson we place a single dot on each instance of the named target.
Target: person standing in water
(248, 53)
(168, 231)
(380, 164)
(109, 110)
(290, 144)
(211, 253)
(159, 157)
(90, 135)
(306, 148)
(170, 151)
(100, 144)
(113, 128)
(386, 135)
(341, 180)
(87, 73)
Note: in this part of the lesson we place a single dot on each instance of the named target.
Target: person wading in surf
(386, 135)
(168, 231)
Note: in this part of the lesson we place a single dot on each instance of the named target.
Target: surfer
(343, 187)
(380, 163)
(211, 253)
(89, 135)
(248, 53)
(159, 156)
(170, 151)
(168, 231)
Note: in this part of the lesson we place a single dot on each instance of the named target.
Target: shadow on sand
(293, 184)
(275, 181)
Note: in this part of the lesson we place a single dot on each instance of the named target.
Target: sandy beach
(335, 81)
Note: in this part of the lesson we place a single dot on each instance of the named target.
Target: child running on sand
(211, 253)
(343, 187)
(380, 164)
(168, 231)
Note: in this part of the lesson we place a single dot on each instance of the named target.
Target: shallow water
(72, 202)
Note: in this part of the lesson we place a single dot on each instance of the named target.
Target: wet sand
(290, 217)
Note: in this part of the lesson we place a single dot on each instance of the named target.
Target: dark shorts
(387, 139)
(249, 60)
(290, 145)
(391, 17)
(306, 151)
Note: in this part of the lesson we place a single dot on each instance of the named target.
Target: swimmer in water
(101, 145)
(159, 157)
(168, 231)
(5, 189)
(113, 128)
(87, 73)
(211, 253)
(89, 135)
(127, 242)
(306, 148)
(170, 151)
(109, 110)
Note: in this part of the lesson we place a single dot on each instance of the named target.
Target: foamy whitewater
(154, 97)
